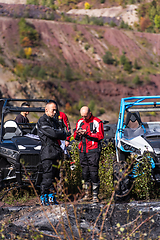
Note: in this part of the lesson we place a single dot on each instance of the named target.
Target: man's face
(25, 113)
(85, 115)
(51, 110)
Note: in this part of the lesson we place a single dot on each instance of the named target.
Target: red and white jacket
(91, 140)
(64, 122)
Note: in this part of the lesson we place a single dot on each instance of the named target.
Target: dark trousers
(49, 174)
(90, 165)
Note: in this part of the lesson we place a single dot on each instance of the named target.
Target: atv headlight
(37, 147)
(21, 147)
(130, 148)
(9, 152)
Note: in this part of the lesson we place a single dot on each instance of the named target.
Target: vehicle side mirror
(105, 122)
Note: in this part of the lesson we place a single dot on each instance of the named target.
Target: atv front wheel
(122, 182)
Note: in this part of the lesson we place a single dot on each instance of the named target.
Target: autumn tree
(144, 23)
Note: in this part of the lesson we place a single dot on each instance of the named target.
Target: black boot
(87, 189)
(95, 188)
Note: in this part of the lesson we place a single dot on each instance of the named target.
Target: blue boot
(44, 200)
(52, 199)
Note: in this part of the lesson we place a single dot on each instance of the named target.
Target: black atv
(19, 143)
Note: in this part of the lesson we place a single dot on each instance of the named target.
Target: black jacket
(50, 135)
(21, 119)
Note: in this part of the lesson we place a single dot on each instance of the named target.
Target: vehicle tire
(122, 184)
(5, 165)
(1, 180)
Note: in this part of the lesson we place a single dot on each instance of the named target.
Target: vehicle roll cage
(10, 109)
(136, 104)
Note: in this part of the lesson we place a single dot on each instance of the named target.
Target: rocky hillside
(71, 58)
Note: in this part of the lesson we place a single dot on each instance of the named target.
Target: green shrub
(50, 16)
(128, 66)
(92, 50)
(136, 65)
(68, 73)
(41, 73)
(28, 35)
(85, 20)
(96, 21)
(2, 61)
(1, 50)
(124, 25)
(157, 21)
(23, 71)
(123, 59)
(87, 46)
(91, 105)
(132, 1)
(19, 68)
(34, 2)
(35, 71)
(112, 24)
(92, 20)
(106, 170)
(73, 178)
(143, 185)
(147, 79)
(107, 58)
(101, 111)
(27, 71)
(21, 53)
(66, 18)
(48, 3)
(16, 195)
(80, 104)
(137, 81)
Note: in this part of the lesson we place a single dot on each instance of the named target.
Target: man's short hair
(52, 101)
(25, 104)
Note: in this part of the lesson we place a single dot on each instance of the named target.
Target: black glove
(68, 134)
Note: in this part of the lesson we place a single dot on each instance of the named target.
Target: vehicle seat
(11, 129)
(133, 117)
(133, 125)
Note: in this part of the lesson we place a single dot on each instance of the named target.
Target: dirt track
(128, 14)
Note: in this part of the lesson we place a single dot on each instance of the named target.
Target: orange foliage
(144, 23)
(68, 107)
(26, 42)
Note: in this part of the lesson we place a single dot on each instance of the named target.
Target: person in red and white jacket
(89, 131)
(64, 123)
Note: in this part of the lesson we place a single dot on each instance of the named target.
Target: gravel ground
(137, 220)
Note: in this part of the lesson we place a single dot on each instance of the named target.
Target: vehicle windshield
(130, 133)
(150, 125)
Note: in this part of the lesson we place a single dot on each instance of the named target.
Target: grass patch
(144, 42)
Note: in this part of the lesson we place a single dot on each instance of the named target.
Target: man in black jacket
(22, 117)
(50, 135)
